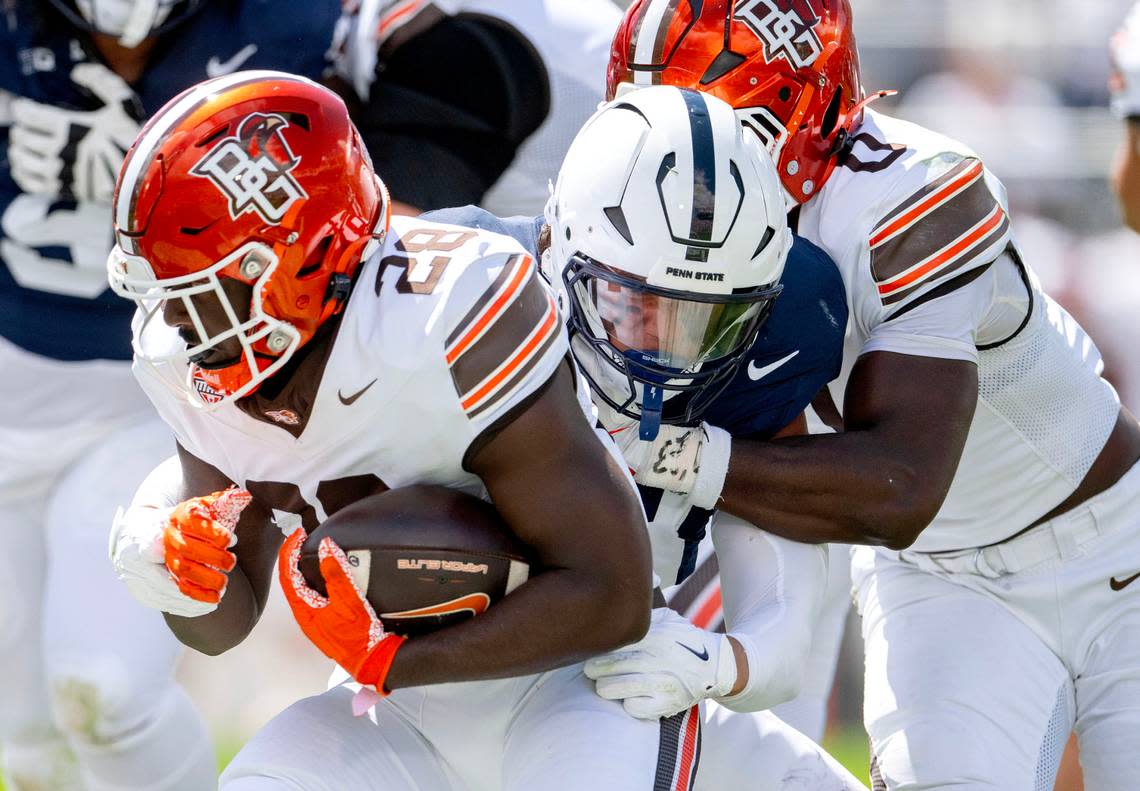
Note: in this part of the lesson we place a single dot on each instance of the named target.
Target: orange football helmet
(789, 67)
(258, 177)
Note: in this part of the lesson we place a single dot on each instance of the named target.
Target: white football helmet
(129, 20)
(669, 231)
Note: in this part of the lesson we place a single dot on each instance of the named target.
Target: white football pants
(975, 678)
(548, 732)
(757, 751)
(88, 698)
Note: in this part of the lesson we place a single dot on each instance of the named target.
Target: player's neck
(128, 62)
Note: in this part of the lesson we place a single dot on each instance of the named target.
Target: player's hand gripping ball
(394, 565)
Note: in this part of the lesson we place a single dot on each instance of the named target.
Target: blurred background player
(473, 101)
(953, 352)
(1125, 86)
(89, 698)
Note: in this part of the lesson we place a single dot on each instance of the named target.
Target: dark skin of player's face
(128, 62)
(214, 320)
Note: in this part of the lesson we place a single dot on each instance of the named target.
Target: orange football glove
(197, 539)
(343, 624)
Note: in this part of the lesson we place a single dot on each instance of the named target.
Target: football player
(644, 245)
(473, 101)
(88, 673)
(1124, 51)
(302, 347)
(986, 466)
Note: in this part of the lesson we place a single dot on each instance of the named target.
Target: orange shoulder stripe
(929, 203)
(494, 308)
(533, 342)
(946, 254)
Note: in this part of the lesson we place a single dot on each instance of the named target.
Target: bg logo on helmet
(252, 168)
(785, 34)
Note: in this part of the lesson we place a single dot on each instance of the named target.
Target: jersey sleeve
(943, 235)
(504, 338)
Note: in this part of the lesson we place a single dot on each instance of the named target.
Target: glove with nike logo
(176, 559)
(343, 624)
(691, 460)
(1124, 55)
(669, 670)
(74, 154)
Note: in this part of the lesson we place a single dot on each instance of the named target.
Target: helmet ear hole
(831, 115)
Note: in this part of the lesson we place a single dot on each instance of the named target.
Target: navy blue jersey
(54, 299)
(798, 351)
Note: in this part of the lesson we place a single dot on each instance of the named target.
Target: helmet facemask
(656, 343)
(266, 343)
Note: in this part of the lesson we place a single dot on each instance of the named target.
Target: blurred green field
(849, 746)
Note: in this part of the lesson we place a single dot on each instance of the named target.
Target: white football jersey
(446, 331)
(572, 37)
(921, 234)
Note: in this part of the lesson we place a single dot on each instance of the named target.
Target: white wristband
(712, 467)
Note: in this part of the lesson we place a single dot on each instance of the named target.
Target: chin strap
(143, 18)
(651, 402)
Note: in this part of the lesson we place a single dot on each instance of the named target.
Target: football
(424, 556)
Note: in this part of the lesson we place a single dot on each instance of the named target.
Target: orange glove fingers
(202, 576)
(206, 529)
(177, 544)
(197, 592)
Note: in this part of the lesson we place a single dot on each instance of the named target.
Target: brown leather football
(425, 556)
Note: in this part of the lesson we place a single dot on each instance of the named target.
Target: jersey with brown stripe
(926, 213)
(447, 330)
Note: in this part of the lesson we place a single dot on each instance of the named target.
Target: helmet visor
(678, 332)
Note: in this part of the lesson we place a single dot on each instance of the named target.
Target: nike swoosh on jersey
(349, 400)
(756, 373)
(216, 67)
(703, 655)
(1119, 585)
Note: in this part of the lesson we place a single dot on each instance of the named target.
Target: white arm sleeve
(162, 487)
(772, 591)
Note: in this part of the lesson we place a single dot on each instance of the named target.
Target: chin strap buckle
(340, 286)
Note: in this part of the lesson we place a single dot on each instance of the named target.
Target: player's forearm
(848, 488)
(219, 631)
(558, 617)
(1126, 174)
(772, 590)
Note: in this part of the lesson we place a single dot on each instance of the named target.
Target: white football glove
(138, 555)
(71, 153)
(673, 667)
(690, 460)
(1124, 52)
